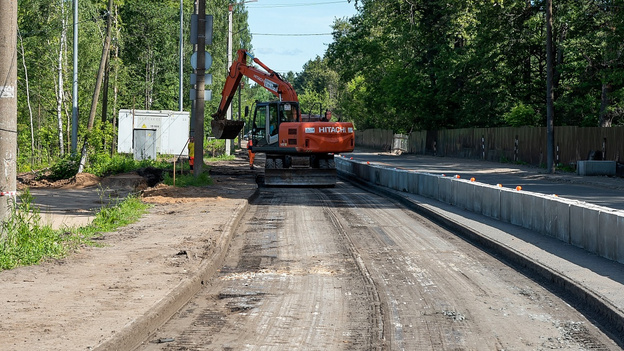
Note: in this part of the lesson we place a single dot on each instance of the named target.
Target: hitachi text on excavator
(299, 148)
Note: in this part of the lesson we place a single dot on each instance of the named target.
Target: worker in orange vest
(191, 152)
(252, 155)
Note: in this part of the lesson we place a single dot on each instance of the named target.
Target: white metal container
(171, 128)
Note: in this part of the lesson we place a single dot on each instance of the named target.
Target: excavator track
(281, 173)
(300, 177)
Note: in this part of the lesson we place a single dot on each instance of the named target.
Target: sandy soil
(82, 301)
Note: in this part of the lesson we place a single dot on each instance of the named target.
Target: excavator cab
(267, 118)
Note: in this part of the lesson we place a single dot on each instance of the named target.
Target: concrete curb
(139, 330)
(611, 319)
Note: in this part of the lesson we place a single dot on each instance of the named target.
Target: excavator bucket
(226, 129)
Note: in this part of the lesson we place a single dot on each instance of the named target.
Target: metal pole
(181, 52)
(550, 110)
(228, 143)
(74, 135)
(8, 106)
(199, 99)
(240, 117)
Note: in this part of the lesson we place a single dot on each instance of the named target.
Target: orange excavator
(299, 148)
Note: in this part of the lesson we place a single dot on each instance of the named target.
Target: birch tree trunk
(60, 92)
(30, 113)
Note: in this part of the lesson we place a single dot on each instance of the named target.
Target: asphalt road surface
(343, 269)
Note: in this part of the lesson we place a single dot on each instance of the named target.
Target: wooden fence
(524, 144)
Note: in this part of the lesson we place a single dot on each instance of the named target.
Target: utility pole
(199, 88)
(74, 135)
(228, 143)
(8, 106)
(180, 107)
(550, 109)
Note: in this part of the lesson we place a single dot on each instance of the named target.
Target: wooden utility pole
(199, 88)
(8, 105)
(98, 84)
(550, 109)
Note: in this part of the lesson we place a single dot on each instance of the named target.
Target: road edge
(139, 330)
(608, 318)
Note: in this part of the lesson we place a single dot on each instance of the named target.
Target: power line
(271, 6)
(291, 35)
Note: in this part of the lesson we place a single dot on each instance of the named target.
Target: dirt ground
(80, 302)
(95, 295)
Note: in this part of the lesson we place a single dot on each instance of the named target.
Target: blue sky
(283, 52)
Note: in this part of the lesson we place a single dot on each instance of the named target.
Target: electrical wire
(271, 6)
(291, 35)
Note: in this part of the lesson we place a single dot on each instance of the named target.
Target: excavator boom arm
(270, 80)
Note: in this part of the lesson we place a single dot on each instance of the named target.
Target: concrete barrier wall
(599, 230)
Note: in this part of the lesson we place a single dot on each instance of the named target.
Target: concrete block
(610, 229)
(393, 178)
(478, 194)
(518, 207)
(364, 171)
(593, 168)
(412, 182)
(347, 166)
(591, 219)
(428, 185)
(490, 200)
(343, 165)
(445, 189)
(557, 218)
(620, 240)
(584, 227)
(533, 216)
(510, 206)
(383, 177)
(464, 195)
(401, 179)
(358, 170)
(576, 225)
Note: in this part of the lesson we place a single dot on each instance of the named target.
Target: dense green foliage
(396, 64)
(24, 240)
(143, 70)
(429, 64)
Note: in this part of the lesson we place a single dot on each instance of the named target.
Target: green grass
(110, 218)
(220, 158)
(188, 180)
(24, 240)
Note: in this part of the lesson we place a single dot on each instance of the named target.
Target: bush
(521, 115)
(214, 147)
(65, 168)
(105, 165)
